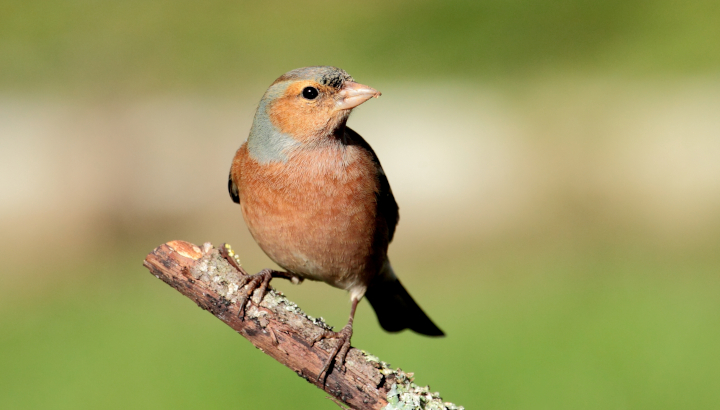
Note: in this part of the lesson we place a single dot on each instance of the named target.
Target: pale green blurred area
(557, 167)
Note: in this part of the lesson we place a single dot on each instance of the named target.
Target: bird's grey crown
(326, 75)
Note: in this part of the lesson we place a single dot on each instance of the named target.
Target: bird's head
(303, 106)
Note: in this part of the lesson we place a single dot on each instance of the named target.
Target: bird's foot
(259, 280)
(338, 354)
(249, 284)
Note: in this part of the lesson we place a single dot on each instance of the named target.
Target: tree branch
(280, 329)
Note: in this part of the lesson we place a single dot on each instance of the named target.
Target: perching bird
(317, 201)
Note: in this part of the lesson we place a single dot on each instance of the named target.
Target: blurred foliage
(111, 47)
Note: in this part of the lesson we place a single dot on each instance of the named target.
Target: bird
(317, 201)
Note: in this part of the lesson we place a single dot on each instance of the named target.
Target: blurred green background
(557, 166)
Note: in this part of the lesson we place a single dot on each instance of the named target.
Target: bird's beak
(353, 94)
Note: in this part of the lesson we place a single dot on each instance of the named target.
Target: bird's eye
(310, 93)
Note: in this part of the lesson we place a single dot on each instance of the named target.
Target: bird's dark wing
(387, 207)
(233, 189)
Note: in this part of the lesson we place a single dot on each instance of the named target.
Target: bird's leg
(259, 280)
(338, 354)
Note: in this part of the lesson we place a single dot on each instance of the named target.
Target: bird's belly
(320, 231)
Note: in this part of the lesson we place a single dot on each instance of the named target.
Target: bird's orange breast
(316, 214)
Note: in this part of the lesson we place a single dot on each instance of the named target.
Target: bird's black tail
(395, 308)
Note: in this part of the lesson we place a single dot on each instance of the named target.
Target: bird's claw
(258, 281)
(339, 352)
